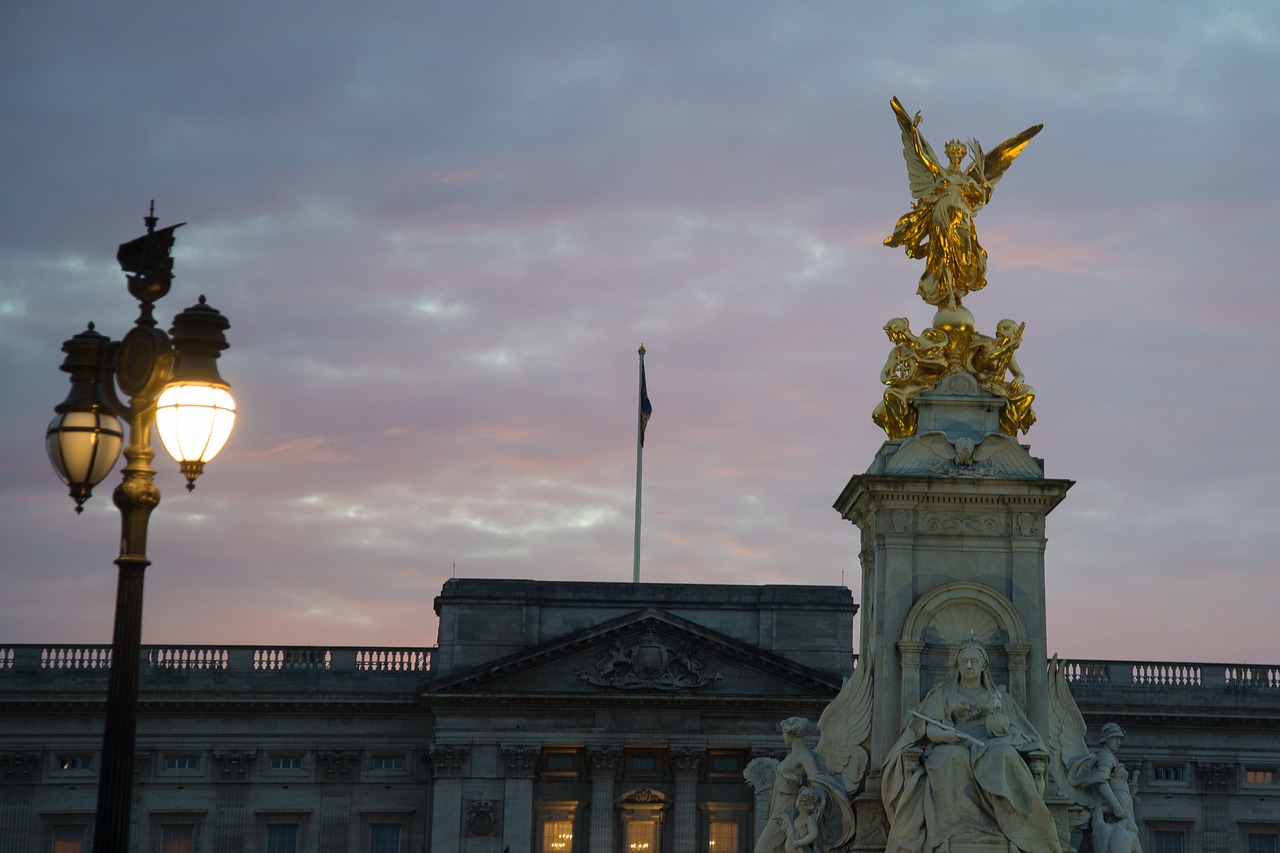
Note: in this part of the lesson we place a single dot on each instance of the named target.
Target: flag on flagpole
(646, 408)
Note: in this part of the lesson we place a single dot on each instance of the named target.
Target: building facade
(554, 718)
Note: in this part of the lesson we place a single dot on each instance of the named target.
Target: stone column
(602, 763)
(232, 798)
(336, 768)
(686, 763)
(16, 778)
(517, 806)
(1215, 785)
(446, 797)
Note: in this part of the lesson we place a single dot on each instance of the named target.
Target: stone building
(553, 718)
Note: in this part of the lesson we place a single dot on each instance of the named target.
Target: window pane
(68, 839)
(282, 838)
(384, 838)
(642, 836)
(1168, 842)
(724, 837)
(557, 836)
(1262, 843)
(176, 838)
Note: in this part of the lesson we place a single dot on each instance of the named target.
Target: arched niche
(942, 618)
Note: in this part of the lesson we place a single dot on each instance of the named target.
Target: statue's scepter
(952, 729)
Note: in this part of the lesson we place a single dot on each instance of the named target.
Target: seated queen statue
(960, 769)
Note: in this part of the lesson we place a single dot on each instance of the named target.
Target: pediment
(646, 653)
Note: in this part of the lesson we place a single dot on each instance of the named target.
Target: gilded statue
(914, 365)
(939, 227)
(990, 361)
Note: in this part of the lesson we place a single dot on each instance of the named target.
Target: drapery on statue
(811, 790)
(961, 768)
(939, 227)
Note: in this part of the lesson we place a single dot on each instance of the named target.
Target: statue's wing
(922, 164)
(1066, 733)
(845, 725)
(997, 160)
(1003, 455)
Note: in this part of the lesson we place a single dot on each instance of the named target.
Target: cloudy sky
(441, 231)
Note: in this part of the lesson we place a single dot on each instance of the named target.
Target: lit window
(388, 762)
(286, 762)
(1168, 842)
(1168, 772)
(642, 836)
(384, 838)
(557, 836)
(282, 838)
(68, 839)
(177, 838)
(1262, 842)
(74, 762)
(723, 837)
(181, 762)
(1260, 776)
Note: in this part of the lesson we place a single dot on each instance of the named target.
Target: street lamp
(169, 380)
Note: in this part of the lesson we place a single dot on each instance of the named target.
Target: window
(286, 762)
(1168, 841)
(188, 761)
(557, 836)
(69, 839)
(723, 837)
(75, 762)
(384, 838)
(177, 838)
(1168, 772)
(724, 764)
(388, 762)
(644, 763)
(560, 763)
(1262, 842)
(642, 836)
(282, 838)
(1260, 776)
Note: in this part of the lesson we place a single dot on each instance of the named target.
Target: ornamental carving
(649, 664)
(234, 766)
(337, 762)
(967, 524)
(603, 761)
(16, 766)
(482, 817)
(687, 760)
(446, 759)
(520, 760)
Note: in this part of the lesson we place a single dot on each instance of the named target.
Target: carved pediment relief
(935, 453)
(646, 652)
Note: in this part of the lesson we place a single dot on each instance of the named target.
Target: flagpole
(640, 422)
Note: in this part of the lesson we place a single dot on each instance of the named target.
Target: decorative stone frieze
(234, 765)
(337, 764)
(446, 759)
(17, 765)
(521, 760)
(603, 761)
(649, 664)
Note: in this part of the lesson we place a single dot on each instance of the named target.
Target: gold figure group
(939, 228)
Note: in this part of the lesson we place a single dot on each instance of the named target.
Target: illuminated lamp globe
(195, 411)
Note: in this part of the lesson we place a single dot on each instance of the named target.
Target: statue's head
(897, 329)
(1109, 731)
(809, 801)
(795, 726)
(971, 658)
(1006, 329)
(956, 149)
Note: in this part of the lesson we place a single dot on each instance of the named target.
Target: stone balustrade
(68, 668)
(1172, 674)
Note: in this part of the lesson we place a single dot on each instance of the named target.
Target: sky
(441, 232)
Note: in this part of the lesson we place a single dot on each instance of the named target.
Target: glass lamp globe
(194, 422)
(83, 446)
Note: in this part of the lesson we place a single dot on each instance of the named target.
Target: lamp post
(169, 380)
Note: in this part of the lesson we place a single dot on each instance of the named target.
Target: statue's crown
(956, 148)
(973, 641)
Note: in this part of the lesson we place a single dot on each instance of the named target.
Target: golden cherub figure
(939, 227)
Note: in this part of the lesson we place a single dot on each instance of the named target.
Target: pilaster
(602, 763)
